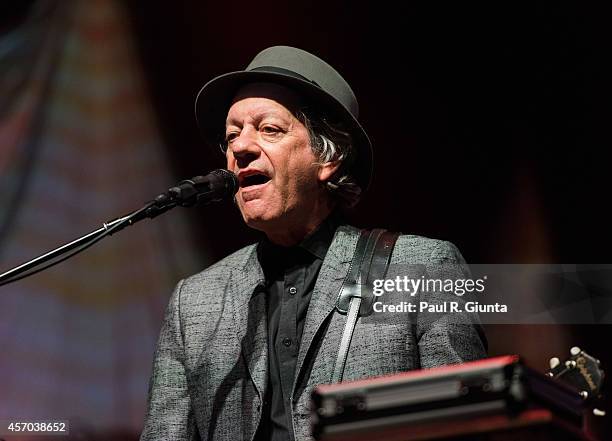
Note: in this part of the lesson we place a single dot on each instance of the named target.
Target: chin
(259, 217)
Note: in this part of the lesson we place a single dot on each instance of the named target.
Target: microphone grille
(229, 179)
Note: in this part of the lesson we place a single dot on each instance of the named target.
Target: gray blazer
(210, 371)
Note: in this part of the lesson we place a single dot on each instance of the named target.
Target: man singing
(244, 342)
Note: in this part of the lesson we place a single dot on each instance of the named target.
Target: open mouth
(256, 179)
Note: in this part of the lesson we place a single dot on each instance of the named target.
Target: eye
(270, 129)
(271, 132)
(229, 137)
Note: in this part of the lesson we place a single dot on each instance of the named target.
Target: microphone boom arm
(211, 188)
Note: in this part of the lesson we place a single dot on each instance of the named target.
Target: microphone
(214, 187)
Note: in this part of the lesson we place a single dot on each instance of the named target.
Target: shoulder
(411, 248)
(218, 275)
(238, 259)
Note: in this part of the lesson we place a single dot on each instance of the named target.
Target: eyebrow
(257, 117)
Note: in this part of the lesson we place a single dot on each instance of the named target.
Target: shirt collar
(318, 242)
(315, 244)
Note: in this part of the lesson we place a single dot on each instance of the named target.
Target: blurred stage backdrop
(491, 129)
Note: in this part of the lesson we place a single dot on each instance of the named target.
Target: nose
(244, 147)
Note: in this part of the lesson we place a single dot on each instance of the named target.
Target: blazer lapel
(251, 321)
(323, 301)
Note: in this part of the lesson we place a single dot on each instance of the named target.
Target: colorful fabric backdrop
(79, 145)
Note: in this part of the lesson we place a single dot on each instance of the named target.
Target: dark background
(490, 122)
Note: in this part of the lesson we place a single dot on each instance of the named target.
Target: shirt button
(287, 341)
(292, 290)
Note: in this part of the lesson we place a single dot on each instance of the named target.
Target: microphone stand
(159, 205)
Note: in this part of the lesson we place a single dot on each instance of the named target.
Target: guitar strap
(355, 299)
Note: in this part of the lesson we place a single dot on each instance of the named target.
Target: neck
(297, 228)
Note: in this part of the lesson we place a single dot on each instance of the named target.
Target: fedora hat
(312, 78)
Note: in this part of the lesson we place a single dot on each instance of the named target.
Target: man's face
(269, 149)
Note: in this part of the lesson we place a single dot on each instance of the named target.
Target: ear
(327, 170)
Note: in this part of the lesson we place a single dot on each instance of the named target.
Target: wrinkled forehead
(276, 92)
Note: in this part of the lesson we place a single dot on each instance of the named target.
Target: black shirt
(291, 273)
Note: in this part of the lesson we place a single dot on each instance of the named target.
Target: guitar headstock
(581, 372)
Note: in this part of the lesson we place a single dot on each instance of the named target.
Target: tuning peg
(575, 351)
(599, 412)
(554, 362)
